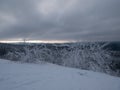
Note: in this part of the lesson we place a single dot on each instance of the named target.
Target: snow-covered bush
(89, 56)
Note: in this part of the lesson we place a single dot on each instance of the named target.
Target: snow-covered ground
(17, 76)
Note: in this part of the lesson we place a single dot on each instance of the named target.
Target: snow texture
(23, 76)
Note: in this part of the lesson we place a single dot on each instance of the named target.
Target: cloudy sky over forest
(60, 20)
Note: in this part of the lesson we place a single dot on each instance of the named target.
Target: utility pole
(24, 41)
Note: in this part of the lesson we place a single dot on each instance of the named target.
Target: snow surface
(17, 76)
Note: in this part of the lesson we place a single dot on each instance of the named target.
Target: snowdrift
(23, 76)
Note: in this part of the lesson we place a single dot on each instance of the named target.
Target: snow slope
(17, 76)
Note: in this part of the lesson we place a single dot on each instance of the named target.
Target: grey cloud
(69, 20)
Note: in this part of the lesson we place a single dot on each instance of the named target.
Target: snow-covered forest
(88, 56)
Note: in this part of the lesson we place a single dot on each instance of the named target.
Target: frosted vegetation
(88, 56)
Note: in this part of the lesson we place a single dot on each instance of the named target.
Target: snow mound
(17, 76)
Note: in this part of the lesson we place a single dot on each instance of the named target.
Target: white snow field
(23, 76)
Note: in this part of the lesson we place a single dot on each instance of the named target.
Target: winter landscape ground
(46, 76)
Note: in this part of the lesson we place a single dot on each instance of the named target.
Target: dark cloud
(60, 19)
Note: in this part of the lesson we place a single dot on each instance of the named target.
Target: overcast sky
(60, 20)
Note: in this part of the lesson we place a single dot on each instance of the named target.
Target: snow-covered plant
(90, 56)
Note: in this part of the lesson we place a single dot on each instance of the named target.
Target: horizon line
(35, 41)
(51, 41)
